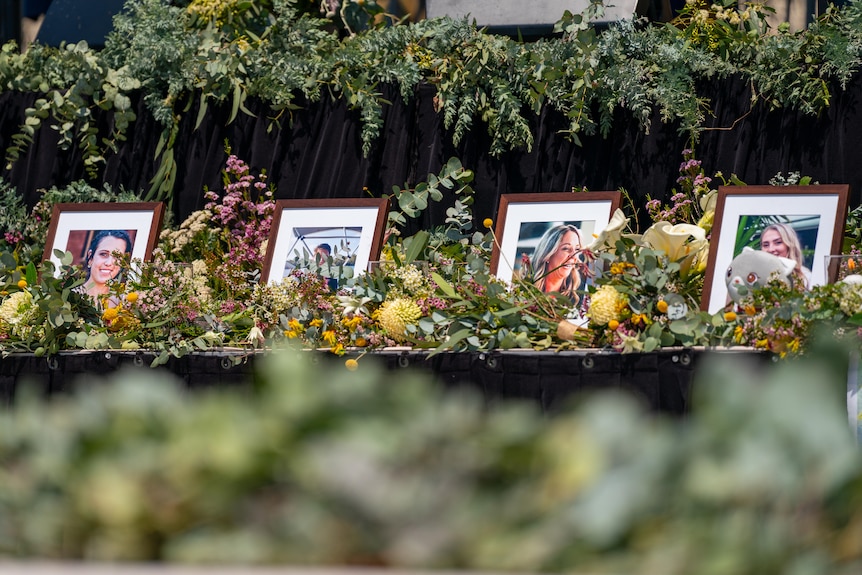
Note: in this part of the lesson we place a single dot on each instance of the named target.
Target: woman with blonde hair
(782, 240)
(557, 261)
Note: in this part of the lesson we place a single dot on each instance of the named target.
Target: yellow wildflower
(793, 345)
(110, 314)
(294, 325)
(352, 323)
(316, 322)
(289, 334)
(329, 337)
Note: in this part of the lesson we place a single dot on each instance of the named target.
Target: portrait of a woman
(99, 262)
(557, 262)
(782, 240)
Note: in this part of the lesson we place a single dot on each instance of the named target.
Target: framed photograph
(350, 231)
(94, 231)
(540, 237)
(803, 223)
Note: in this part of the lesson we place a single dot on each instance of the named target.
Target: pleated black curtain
(316, 150)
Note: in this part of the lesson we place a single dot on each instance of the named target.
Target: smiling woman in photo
(782, 240)
(101, 265)
(557, 261)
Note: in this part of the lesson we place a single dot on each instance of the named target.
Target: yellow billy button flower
(488, 223)
(661, 306)
(613, 325)
(132, 297)
(730, 316)
(22, 283)
(351, 364)
(361, 342)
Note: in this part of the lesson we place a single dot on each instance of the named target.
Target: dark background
(319, 154)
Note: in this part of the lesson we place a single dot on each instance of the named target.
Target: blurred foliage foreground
(764, 478)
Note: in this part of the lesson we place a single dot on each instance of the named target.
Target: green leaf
(444, 286)
(30, 274)
(650, 344)
(417, 245)
(453, 340)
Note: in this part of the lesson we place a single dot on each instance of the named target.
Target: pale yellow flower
(395, 315)
(605, 305)
(607, 239)
(683, 243)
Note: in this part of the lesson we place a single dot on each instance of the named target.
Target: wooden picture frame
(75, 226)
(816, 214)
(525, 222)
(351, 227)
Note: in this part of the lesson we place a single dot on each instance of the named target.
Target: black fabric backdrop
(317, 151)
(662, 381)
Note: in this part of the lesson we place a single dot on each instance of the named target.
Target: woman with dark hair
(101, 265)
(557, 261)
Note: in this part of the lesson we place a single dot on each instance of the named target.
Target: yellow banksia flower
(606, 304)
(397, 314)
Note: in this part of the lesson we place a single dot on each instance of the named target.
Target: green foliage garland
(279, 50)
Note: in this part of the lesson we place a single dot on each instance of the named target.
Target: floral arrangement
(432, 290)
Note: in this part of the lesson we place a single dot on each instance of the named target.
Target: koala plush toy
(753, 268)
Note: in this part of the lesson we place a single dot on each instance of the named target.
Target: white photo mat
(316, 217)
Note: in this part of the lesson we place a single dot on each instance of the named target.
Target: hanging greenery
(286, 51)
